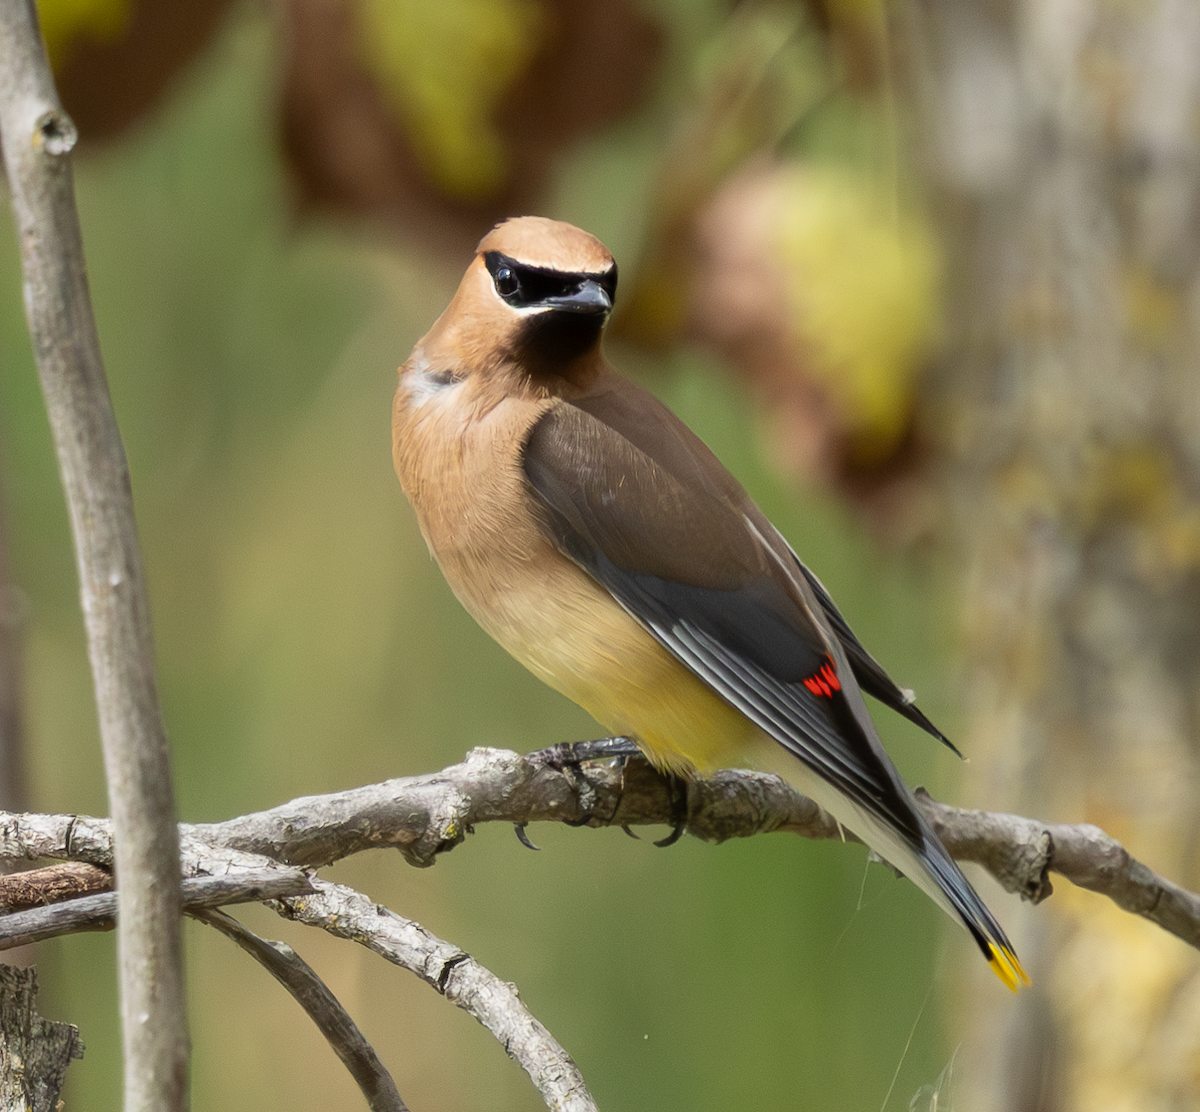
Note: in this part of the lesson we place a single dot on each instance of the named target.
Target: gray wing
(673, 545)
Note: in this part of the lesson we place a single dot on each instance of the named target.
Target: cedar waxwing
(592, 534)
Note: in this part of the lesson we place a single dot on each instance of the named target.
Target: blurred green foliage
(307, 643)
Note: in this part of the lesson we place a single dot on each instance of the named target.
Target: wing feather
(624, 490)
(679, 557)
(867, 670)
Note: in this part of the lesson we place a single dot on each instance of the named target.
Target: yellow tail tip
(1007, 967)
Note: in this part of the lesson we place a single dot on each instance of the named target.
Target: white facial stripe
(521, 310)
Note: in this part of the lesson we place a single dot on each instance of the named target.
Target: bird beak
(589, 299)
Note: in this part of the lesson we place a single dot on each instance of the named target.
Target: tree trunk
(1061, 147)
(34, 1052)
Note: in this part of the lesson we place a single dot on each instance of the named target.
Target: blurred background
(924, 274)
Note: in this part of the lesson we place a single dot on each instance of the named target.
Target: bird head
(537, 296)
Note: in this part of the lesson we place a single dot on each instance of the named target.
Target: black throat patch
(566, 310)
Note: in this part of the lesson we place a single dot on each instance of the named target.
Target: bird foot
(568, 757)
(571, 754)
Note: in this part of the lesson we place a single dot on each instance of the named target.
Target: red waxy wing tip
(825, 682)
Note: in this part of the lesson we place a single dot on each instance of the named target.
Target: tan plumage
(600, 542)
(457, 444)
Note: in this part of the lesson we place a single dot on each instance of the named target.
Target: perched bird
(593, 535)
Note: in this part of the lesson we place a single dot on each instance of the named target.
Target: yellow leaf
(65, 21)
(442, 69)
(863, 287)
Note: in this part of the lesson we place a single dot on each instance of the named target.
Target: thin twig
(1020, 853)
(323, 1008)
(100, 911)
(38, 137)
(457, 976)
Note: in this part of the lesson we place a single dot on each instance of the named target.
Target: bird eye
(506, 282)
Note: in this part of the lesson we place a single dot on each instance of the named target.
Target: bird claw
(677, 786)
(523, 838)
(677, 832)
(567, 757)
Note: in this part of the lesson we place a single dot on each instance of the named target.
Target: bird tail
(965, 905)
(918, 854)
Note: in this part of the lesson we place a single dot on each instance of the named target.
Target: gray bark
(38, 137)
(1061, 146)
(34, 1052)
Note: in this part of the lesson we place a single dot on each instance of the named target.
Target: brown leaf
(348, 151)
(109, 84)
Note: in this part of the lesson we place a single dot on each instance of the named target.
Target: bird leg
(571, 754)
(568, 757)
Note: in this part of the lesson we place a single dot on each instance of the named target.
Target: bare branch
(100, 911)
(426, 815)
(423, 816)
(27, 837)
(228, 872)
(34, 1052)
(1020, 853)
(38, 137)
(458, 977)
(323, 1008)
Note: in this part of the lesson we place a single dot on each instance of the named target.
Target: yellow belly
(465, 481)
(573, 635)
